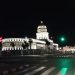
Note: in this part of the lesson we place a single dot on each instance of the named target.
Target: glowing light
(62, 39)
(64, 65)
(63, 71)
(41, 22)
(1, 39)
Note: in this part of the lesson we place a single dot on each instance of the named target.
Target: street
(49, 66)
(54, 67)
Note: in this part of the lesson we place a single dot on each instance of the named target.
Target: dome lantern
(41, 27)
(41, 22)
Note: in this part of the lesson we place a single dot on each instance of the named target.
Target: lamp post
(62, 41)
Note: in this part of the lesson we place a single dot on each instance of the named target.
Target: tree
(25, 45)
(47, 48)
(12, 44)
(47, 42)
(30, 43)
(47, 45)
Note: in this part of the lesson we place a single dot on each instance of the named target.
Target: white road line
(35, 71)
(48, 71)
(30, 68)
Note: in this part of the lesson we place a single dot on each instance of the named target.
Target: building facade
(41, 41)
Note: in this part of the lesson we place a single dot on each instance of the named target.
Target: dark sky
(20, 19)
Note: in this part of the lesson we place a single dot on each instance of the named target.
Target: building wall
(43, 35)
(35, 43)
(6, 44)
(69, 48)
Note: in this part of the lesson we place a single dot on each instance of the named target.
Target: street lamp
(62, 39)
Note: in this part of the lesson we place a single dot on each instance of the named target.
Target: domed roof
(41, 25)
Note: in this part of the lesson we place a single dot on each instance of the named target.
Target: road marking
(62, 71)
(48, 71)
(30, 68)
(35, 71)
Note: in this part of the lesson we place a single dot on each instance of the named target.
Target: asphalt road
(54, 67)
(47, 66)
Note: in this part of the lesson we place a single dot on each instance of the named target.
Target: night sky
(20, 19)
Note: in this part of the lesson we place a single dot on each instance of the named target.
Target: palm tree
(25, 46)
(30, 42)
(13, 45)
(47, 45)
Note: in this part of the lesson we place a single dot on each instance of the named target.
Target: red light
(1, 39)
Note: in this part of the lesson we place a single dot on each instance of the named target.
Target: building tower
(42, 32)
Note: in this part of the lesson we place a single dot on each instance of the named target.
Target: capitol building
(42, 41)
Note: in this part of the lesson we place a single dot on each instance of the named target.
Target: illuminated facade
(42, 32)
(7, 44)
(38, 43)
(69, 48)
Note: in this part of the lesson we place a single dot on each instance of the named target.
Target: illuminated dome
(42, 31)
(41, 27)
